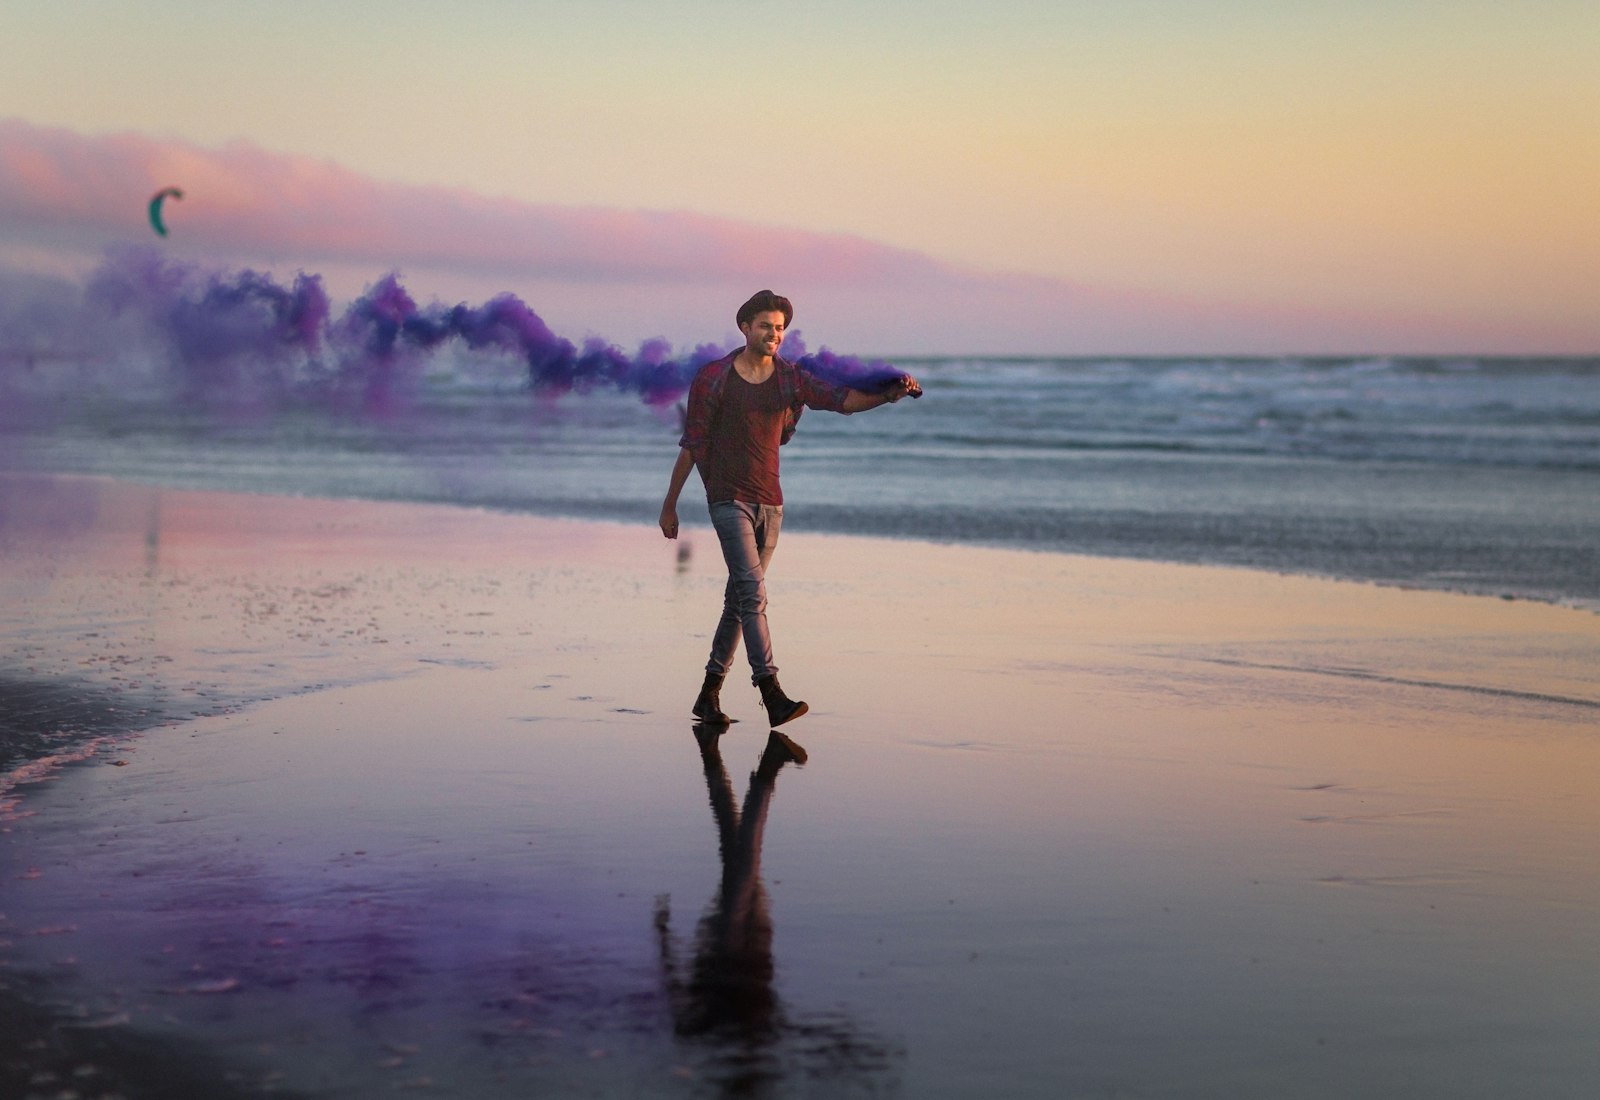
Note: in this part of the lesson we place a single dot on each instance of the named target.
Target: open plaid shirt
(806, 390)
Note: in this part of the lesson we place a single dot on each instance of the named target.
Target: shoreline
(424, 808)
(694, 520)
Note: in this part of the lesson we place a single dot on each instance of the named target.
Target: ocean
(1469, 474)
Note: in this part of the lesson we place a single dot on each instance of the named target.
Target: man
(742, 407)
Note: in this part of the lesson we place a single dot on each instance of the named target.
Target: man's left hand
(905, 386)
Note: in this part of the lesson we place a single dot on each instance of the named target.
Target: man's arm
(856, 401)
(669, 507)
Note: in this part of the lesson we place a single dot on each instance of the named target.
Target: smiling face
(763, 333)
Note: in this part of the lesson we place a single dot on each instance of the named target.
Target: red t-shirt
(742, 463)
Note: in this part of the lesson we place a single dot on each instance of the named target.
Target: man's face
(764, 332)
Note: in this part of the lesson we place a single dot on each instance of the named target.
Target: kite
(156, 200)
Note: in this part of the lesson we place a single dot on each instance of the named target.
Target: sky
(1139, 177)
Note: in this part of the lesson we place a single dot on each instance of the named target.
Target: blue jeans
(749, 535)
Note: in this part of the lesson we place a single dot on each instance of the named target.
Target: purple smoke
(241, 338)
(873, 376)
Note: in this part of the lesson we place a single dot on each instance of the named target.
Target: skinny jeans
(749, 535)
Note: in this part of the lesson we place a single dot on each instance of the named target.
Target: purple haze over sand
(232, 337)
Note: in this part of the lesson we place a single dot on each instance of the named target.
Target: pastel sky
(933, 177)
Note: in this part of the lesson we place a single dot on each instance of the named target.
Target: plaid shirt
(804, 389)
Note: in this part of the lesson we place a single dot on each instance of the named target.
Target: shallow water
(467, 887)
(1166, 832)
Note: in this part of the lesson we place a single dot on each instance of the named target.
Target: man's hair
(764, 301)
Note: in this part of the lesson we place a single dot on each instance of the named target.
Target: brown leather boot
(780, 708)
(708, 707)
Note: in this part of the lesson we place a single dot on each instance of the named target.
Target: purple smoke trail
(241, 337)
(873, 376)
(234, 336)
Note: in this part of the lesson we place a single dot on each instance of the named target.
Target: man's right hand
(669, 521)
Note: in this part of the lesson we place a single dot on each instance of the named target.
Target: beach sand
(359, 799)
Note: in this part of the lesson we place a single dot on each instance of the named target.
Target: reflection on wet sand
(726, 1000)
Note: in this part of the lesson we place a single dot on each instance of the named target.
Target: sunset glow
(1351, 177)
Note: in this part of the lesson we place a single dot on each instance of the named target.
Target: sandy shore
(417, 805)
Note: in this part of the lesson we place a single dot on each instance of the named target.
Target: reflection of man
(727, 1002)
(742, 407)
(729, 992)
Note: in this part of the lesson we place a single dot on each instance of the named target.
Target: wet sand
(415, 806)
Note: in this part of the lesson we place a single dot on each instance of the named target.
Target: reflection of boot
(708, 707)
(707, 734)
(780, 750)
(780, 708)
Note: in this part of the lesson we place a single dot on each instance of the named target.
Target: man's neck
(753, 366)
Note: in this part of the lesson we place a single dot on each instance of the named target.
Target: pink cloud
(72, 193)
(245, 200)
